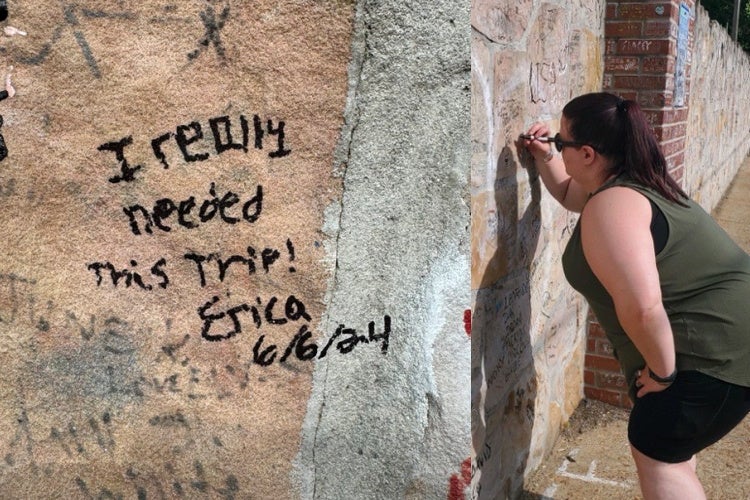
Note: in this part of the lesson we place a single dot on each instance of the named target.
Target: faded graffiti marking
(211, 36)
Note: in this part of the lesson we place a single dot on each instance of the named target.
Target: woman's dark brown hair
(618, 129)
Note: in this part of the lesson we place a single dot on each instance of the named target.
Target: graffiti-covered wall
(236, 257)
(528, 60)
(718, 129)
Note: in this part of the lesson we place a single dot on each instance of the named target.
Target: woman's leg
(665, 481)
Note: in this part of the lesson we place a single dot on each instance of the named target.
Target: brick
(611, 12)
(668, 132)
(601, 363)
(611, 397)
(595, 330)
(658, 64)
(623, 29)
(665, 116)
(611, 380)
(678, 173)
(677, 115)
(610, 47)
(631, 46)
(659, 82)
(604, 348)
(643, 10)
(675, 161)
(589, 377)
(654, 99)
(591, 346)
(673, 147)
(666, 29)
(618, 64)
(630, 96)
(655, 117)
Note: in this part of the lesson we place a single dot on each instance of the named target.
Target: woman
(669, 287)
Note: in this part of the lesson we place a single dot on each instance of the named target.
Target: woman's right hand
(539, 150)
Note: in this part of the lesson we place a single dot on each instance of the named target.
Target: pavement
(591, 458)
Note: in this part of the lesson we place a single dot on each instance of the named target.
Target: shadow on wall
(504, 381)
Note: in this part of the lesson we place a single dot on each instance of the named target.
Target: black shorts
(693, 413)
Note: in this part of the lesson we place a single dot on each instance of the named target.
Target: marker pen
(534, 138)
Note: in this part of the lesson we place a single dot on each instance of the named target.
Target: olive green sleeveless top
(705, 286)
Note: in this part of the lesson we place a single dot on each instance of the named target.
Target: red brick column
(602, 378)
(646, 59)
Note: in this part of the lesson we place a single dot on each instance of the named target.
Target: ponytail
(618, 129)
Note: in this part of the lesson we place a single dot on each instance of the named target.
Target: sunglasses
(557, 141)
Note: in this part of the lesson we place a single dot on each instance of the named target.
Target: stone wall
(718, 127)
(235, 250)
(398, 425)
(528, 60)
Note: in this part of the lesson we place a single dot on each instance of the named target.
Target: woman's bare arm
(560, 185)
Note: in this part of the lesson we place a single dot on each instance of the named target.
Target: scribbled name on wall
(222, 317)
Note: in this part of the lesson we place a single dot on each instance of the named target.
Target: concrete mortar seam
(351, 121)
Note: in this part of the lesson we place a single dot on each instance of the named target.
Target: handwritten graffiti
(294, 310)
(249, 260)
(167, 483)
(476, 470)
(224, 205)
(212, 26)
(185, 136)
(72, 14)
(15, 288)
(71, 20)
(212, 264)
(215, 207)
(89, 439)
(73, 438)
(130, 276)
(184, 376)
(219, 322)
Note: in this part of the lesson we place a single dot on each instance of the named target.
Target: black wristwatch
(663, 380)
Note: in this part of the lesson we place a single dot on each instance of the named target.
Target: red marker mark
(467, 322)
(460, 482)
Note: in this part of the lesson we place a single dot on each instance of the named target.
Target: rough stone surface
(398, 426)
(114, 390)
(501, 22)
(527, 350)
(527, 342)
(203, 375)
(718, 130)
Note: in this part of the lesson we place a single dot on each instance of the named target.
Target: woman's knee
(648, 464)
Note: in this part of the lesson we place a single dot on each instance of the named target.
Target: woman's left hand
(645, 384)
